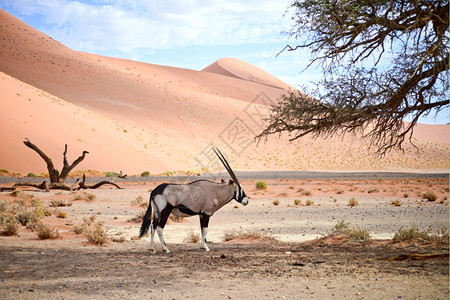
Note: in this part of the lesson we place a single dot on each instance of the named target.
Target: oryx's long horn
(225, 164)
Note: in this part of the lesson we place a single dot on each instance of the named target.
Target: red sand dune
(135, 116)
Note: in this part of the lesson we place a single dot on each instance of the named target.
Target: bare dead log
(4, 188)
(78, 185)
(82, 184)
(44, 186)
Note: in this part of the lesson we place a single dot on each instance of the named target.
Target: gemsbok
(200, 197)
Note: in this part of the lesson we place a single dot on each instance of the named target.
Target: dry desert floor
(289, 253)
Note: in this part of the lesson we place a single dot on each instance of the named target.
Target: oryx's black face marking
(199, 197)
(239, 195)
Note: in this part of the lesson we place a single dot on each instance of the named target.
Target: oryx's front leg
(204, 220)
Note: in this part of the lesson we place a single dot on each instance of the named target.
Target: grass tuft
(355, 234)
(414, 234)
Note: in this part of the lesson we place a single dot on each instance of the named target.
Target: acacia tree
(404, 43)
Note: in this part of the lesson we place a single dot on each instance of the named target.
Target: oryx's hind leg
(156, 217)
(204, 221)
(162, 213)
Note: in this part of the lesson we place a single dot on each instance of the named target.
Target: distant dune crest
(236, 68)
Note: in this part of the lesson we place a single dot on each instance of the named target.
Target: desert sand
(135, 116)
(303, 262)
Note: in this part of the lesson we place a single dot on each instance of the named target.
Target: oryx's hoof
(152, 251)
(205, 249)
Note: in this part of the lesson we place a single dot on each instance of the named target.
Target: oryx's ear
(230, 182)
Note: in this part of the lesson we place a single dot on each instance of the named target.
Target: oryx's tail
(147, 220)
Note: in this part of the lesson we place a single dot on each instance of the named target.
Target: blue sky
(188, 34)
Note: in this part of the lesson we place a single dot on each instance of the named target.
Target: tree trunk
(55, 176)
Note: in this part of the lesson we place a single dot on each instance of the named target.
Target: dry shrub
(309, 202)
(88, 197)
(96, 234)
(87, 221)
(3, 206)
(396, 203)
(414, 234)
(46, 232)
(353, 202)
(139, 217)
(93, 231)
(276, 202)
(61, 214)
(118, 238)
(193, 237)
(232, 235)
(175, 219)
(306, 193)
(27, 218)
(8, 224)
(341, 227)
(140, 201)
(355, 234)
(21, 195)
(430, 196)
(298, 202)
(57, 203)
(359, 235)
(78, 229)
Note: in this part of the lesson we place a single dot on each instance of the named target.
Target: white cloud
(97, 26)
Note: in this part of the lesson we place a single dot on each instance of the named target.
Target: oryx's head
(239, 194)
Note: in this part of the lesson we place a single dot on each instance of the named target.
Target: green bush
(110, 174)
(261, 185)
(145, 174)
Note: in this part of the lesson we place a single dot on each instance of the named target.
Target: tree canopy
(383, 62)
